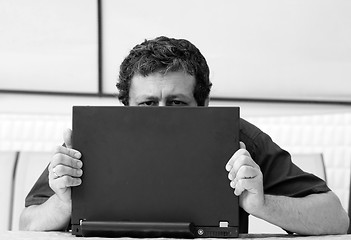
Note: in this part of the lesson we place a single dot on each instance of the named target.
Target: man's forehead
(163, 74)
(157, 85)
(167, 79)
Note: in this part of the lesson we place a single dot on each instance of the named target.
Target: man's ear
(207, 101)
(124, 102)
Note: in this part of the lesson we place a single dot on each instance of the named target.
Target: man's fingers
(65, 182)
(247, 172)
(67, 137)
(65, 168)
(238, 189)
(61, 170)
(68, 151)
(67, 160)
(68, 181)
(235, 157)
(246, 184)
(241, 161)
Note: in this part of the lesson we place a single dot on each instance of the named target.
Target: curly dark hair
(163, 55)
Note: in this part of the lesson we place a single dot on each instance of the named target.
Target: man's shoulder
(253, 137)
(248, 131)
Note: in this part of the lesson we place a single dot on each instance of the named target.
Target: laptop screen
(156, 165)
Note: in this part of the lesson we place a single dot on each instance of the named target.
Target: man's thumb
(67, 137)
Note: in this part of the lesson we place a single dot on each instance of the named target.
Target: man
(171, 72)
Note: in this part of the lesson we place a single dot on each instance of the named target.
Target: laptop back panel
(156, 165)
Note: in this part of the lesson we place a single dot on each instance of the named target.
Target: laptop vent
(218, 233)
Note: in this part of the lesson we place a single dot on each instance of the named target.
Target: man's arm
(64, 173)
(53, 214)
(314, 214)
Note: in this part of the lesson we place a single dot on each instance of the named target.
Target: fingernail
(232, 184)
(77, 155)
(79, 164)
(230, 176)
(79, 172)
(228, 167)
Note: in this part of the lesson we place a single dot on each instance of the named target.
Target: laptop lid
(155, 171)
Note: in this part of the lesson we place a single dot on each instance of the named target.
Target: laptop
(155, 172)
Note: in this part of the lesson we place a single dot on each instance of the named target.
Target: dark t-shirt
(280, 175)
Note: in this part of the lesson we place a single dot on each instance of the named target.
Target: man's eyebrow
(146, 97)
(178, 96)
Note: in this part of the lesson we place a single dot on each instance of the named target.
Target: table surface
(16, 235)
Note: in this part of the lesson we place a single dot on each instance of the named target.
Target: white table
(23, 235)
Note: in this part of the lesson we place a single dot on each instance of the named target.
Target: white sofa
(329, 134)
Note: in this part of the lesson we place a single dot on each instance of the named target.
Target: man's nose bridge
(162, 104)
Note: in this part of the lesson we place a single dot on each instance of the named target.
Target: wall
(277, 49)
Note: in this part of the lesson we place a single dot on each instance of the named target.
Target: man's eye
(148, 103)
(178, 103)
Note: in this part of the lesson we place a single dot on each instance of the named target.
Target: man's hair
(162, 55)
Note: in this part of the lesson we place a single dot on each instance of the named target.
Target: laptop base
(150, 230)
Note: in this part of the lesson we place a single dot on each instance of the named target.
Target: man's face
(171, 89)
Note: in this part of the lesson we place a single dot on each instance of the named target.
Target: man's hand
(246, 179)
(65, 169)
(64, 173)
(314, 214)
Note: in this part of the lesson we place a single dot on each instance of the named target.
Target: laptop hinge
(136, 229)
